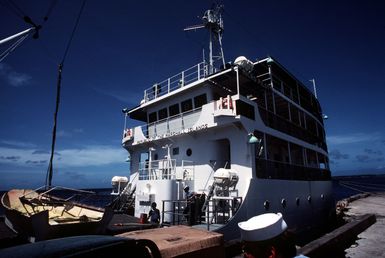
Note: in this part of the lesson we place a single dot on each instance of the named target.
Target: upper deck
(263, 88)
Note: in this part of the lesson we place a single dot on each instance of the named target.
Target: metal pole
(50, 172)
(16, 35)
(237, 71)
(211, 62)
(314, 87)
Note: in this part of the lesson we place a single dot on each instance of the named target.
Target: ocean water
(346, 186)
(343, 187)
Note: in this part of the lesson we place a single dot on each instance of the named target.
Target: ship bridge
(223, 98)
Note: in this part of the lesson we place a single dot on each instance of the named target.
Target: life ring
(226, 101)
(127, 133)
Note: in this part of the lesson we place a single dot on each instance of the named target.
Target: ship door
(221, 157)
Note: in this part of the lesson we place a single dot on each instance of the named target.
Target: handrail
(177, 81)
(151, 128)
(166, 169)
(209, 216)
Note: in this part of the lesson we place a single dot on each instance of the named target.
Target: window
(277, 84)
(162, 113)
(277, 149)
(294, 114)
(175, 151)
(287, 91)
(296, 153)
(245, 109)
(281, 107)
(323, 161)
(311, 125)
(311, 158)
(261, 99)
(173, 110)
(302, 118)
(200, 100)
(152, 117)
(188, 152)
(186, 105)
(270, 101)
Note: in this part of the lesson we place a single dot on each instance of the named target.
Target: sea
(343, 187)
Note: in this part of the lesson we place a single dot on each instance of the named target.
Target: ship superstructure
(247, 138)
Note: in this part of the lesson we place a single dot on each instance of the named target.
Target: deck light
(125, 110)
(253, 139)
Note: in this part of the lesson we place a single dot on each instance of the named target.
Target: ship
(245, 137)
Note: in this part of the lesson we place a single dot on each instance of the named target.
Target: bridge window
(162, 113)
(187, 105)
(173, 110)
(200, 100)
(152, 117)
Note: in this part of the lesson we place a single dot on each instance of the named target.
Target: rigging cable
(60, 70)
(23, 35)
(50, 8)
(12, 47)
(14, 8)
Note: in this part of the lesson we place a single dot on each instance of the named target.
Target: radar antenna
(212, 20)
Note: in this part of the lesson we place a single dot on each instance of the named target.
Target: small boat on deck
(36, 215)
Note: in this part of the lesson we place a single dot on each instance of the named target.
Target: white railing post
(182, 80)
(145, 96)
(168, 85)
(199, 71)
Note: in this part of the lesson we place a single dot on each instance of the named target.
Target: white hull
(302, 218)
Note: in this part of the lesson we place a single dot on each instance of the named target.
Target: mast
(58, 87)
(213, 22)
(48, 183)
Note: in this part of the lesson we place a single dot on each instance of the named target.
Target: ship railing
(170, 126)
(177, 81)
(176, 212)
(219, 211)
(174, 125)
(166, 169)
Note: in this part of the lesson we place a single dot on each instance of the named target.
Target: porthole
(188, 152)
(266, 204)
(283, 203)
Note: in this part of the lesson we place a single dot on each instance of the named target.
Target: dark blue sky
(123, 47)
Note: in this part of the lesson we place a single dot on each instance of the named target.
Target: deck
(371, 242)
(361, 236)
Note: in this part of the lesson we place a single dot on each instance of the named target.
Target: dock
(361, 235)
(371, 242)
